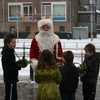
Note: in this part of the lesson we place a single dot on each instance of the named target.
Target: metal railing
(86, 8)
(78, 45)
(74, 46)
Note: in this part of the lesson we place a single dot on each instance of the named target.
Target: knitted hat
(45, 22)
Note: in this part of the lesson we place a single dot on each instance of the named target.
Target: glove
(34, 63)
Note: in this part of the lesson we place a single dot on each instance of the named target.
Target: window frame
(18, 18)
(58, 18)
(28, 28)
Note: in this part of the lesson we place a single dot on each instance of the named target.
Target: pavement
(27, 90)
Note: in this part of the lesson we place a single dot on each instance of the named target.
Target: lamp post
(3, 15)
(70, 15)
(91, 2)
(91, 24)
(17, 22)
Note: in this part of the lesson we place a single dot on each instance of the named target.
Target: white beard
(46, 40)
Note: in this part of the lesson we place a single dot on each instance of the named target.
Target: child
(89, 80)
(70, 79)
(48, 76)
(10, 69)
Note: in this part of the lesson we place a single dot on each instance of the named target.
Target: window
(91, 1)
(28, 28)
(84, 2)
(61, 28)
(46, 10)
(14, 10)
(86, 18)
(12, 29)
(19, 11)
(54, 10)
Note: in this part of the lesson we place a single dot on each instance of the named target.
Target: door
(27, 12)
(46, 11)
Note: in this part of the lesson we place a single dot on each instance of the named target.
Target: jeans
(67, 96)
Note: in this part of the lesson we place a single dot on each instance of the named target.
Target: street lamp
(91, 23)
(17, 21)
(3, 15)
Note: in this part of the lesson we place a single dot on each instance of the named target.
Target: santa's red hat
(45, 22)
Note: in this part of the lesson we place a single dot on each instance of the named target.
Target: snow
(74, 45)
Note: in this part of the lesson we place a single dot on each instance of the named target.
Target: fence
(77, 47)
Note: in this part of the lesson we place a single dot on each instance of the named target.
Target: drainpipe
(70, 15)
(17, 21)
(3, 14)
(91, 23)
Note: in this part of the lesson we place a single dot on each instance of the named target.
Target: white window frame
(17, 18)
(55, 3)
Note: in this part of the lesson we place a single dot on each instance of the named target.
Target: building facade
(21, 16)
(87, 15)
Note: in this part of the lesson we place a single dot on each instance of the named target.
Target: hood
(6, 49)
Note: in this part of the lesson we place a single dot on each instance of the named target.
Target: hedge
(21, 34)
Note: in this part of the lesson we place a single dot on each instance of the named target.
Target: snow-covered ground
(74, 45)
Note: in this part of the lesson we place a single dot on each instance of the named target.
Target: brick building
(21, 16)
(87, 15)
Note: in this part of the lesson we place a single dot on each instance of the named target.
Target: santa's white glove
(34, 63)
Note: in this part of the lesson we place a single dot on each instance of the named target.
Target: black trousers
(89, 91)
(11, 91)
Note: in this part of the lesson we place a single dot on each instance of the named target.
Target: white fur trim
(56, 38)
(44, 22)
(59, 58)
(34, 63)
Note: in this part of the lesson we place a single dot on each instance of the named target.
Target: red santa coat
(35, 52)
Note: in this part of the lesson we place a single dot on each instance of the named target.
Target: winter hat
(45, 22)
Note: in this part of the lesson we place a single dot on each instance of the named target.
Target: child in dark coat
(89, 80)
(10, 68)
(70, 79)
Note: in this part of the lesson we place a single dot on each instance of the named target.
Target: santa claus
(45, 39)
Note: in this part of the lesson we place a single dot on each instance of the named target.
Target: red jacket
(35, 52)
